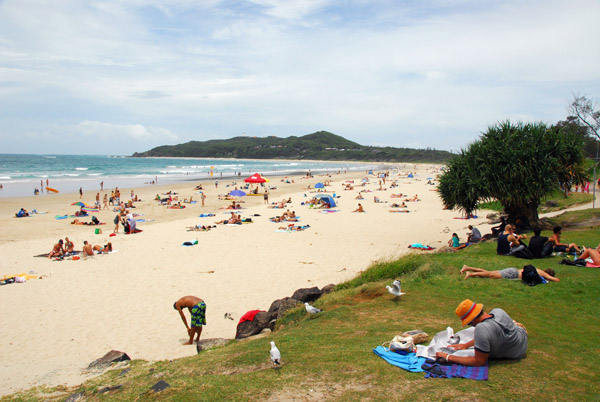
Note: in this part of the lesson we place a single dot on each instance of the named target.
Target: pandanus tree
(516, 164)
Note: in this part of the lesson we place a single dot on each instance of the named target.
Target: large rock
(111, 357)
(280, 306)
(328, 288)
(209, 343)
(262, 320)
(307, 294)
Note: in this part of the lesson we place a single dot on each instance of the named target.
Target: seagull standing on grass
(275, 354)
(395, 289)
(311, 309)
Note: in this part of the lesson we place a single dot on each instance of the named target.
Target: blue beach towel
(205, 215)
(409, 362)
(434, 370)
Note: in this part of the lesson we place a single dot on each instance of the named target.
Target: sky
(122, 76)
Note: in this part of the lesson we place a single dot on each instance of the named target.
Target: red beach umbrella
(255, 178)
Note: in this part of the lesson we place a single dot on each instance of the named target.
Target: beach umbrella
(255, 178)
(237, 193)
(79, 204)
(319, 185)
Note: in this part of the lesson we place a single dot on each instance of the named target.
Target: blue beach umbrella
(319, 185)
(237, 193)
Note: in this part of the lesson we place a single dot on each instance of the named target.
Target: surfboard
(51, 189)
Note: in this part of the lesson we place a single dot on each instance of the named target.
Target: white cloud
(384, 72)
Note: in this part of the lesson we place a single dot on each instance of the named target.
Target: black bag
(580, 262)
(525, 253)
(95, 220)
(547, 250)
(530, 276)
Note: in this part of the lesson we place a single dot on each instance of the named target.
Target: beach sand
(55, 326)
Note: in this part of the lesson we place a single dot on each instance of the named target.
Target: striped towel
(434, 370)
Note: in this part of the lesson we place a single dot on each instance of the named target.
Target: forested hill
(321, 145)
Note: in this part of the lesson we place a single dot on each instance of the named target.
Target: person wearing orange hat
(497, 336)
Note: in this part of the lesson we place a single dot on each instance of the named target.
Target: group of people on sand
(66, 248)
(233, 220)
(286, 216)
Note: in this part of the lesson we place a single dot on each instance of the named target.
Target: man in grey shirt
(497, 336)
(474, 236)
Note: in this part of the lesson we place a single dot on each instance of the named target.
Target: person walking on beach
(203, 197)
(80, 192)
(101, 186)
(266, 197)
(98, 200)
(197, 308)
(105, 201)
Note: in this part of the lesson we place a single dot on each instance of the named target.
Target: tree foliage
(321, 145)
(587, 112)
(517, 164)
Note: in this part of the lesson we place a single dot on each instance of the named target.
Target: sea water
(22, 174)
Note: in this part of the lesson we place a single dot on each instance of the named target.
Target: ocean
(20, 175)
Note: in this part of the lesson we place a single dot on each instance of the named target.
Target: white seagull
(395, 289)
(275, 354)
(311, 309)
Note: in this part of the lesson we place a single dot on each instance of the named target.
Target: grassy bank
(329, 356)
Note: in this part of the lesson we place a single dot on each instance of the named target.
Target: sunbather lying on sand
(199, 228)
(103, 249)
(293, 227)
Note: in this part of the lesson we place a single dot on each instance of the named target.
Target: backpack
(525, 253)
(530, 276)
(95, 220)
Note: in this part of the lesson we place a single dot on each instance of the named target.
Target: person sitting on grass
(474, 236)
(562, 247)
(497, 336)
(508, 242)
(506, 273)
(455, 243)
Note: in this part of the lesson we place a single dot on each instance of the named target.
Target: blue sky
(120, 76)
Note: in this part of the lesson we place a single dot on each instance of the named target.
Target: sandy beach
(55, 326)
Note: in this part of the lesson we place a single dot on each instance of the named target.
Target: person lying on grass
(497, 336)
(506, 273)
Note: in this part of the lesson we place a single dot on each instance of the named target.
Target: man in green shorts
(197, 309)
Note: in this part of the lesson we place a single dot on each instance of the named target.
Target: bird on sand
(395, 289)
(275, 354)
(311, 309)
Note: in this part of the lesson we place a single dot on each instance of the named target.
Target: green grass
(329, 356)
(562, 202)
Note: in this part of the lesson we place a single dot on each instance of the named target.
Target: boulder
(262, 320)
(160, 386)
(111, 357)
(209, 343)
(280, 306)
(328, 288)
(307, 294)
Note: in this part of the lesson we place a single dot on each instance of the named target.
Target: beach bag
(530, 276)
(401, 344)
(95, 220)
(417, 335)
